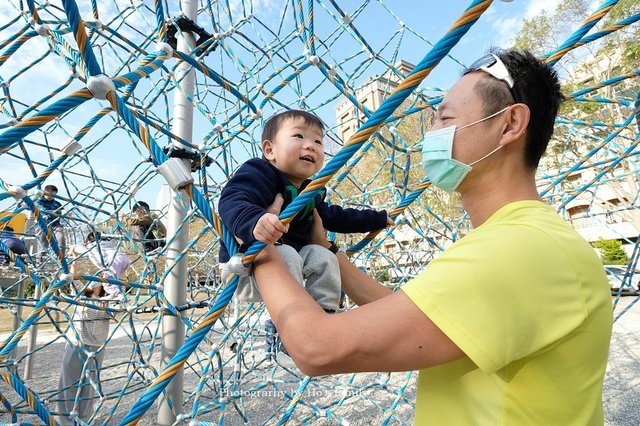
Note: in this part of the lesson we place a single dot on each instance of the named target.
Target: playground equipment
(111, 100)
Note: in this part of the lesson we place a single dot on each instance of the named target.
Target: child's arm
(348, 220)
(269, 228)
(139, 221)
(244, 199)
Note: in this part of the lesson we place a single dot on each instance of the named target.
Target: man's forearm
(360, 287)
(297, 316)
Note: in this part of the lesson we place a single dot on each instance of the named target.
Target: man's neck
(481, 205)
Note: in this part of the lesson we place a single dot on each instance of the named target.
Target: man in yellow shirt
(511, 324)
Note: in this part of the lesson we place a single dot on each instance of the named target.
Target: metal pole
(176, 282)
(33, 337)
(17, 315)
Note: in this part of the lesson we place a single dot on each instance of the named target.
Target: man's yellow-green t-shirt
(527, 300)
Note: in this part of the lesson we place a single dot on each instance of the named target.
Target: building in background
(370, 94)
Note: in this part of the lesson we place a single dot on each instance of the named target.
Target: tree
(592, 63)
(611, 252)
(583, 68)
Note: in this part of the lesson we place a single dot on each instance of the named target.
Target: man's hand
(318, 236)
(269, 228)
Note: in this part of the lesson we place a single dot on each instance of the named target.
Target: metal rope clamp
(175, 173)
(236, 266)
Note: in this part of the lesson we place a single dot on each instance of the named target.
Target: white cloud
(535, 7)
(507, 27)
(505, 30)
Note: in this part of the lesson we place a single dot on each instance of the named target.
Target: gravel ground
(265, 387)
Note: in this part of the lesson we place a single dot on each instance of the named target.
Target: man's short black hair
(539, 88)
(141, 205)
(273, 124)
(51, 188)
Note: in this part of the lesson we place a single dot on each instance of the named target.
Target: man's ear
(267, 150)
(517, 121)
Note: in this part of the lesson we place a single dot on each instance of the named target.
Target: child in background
(88, 336)
(51, 210)
(104, 256)
(14, 244)
(146, 227)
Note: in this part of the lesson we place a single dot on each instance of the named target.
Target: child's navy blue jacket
(253, 188)
(50, 210)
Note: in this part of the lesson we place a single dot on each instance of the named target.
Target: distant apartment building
(606, 210)
(371, 94)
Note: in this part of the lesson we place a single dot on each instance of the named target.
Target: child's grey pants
(314, 267)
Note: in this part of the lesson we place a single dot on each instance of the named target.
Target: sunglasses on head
(492, 65)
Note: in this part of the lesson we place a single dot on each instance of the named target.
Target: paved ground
(622, 382)
(266, 387)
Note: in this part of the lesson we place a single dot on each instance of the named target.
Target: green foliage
(382, 275)
(612, 252)
(600, 60)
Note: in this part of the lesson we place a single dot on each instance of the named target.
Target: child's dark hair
(51, 188)
(92, 237)
(141, 205)
(273, 124)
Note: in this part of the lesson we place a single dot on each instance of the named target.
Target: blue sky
(115, 154)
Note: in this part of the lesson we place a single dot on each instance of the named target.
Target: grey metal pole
(33, 337)
(175, 285)
(17, 315)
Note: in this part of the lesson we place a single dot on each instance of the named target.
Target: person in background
(51, 211)
(146, 227)
(14, 244)
(104, 255)
(85, 346)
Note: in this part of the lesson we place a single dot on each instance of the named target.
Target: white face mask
(437, 149)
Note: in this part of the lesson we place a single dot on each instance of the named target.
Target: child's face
(296, 150)
(49, 195)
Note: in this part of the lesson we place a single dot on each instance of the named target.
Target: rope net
(101, 141)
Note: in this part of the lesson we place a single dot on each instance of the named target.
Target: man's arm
(390, 333)
(360, 287)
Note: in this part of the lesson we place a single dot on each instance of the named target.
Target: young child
(146, 227)
(14, 244)
(51, 210)
(103, 255)
(292, 152)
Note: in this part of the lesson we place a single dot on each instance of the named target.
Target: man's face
(296, 150)
(462, 106)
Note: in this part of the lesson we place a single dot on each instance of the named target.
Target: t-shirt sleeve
(498, 299)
